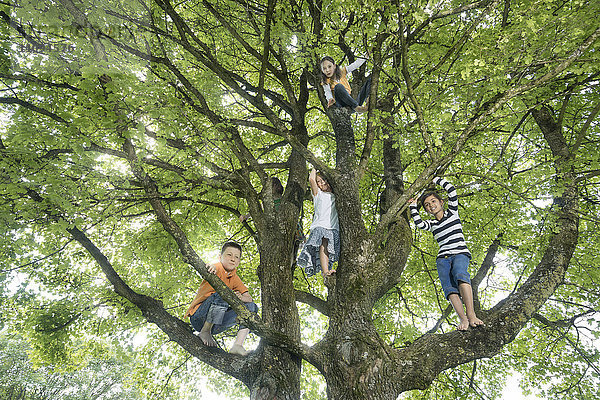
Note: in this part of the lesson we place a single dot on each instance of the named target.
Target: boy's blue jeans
(217, 311)
(451, 270)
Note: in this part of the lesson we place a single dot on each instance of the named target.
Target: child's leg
(343, 98)
(241, 336)
(460, 277)
(365, 90)
(206, 335)
(444, 267)
(457, 304)
(238, 347)
(466, 292)
(324, 257)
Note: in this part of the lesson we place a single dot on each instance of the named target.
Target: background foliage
(61, 137)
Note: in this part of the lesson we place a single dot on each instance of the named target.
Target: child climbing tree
(137, 133)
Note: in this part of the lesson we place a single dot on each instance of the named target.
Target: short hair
(276, 185)
(427, 194)
(231, 244)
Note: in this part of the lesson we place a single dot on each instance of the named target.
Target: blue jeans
(343, 98)
(451, 270)
(216, 311)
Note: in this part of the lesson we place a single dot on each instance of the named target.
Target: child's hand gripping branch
(323, 244)
(453, 257)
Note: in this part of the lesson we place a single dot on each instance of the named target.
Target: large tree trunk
(355, 362)
(279, 376)
(353, 353)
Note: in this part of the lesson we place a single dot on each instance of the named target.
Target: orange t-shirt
(231, 279)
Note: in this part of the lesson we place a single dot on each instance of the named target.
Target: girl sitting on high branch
(337, 88)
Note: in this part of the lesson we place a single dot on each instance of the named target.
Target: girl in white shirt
(323, 244)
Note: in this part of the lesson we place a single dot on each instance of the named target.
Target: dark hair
(231, 244)
(276, 185)
(337, 74)
(427, 194)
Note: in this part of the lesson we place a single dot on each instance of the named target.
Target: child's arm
(355, 65)
(312, 179)
(328, 95)
(451, 190)
(245, 297)
(414, 213)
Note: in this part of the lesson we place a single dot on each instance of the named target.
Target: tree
(140, 131)
(100, 378)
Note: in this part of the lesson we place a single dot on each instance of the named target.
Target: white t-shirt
(325, 212)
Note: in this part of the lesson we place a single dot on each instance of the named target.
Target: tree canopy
(135, 133)
(101, 377)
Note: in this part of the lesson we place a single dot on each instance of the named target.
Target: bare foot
(474, 321)
(239, 350)
(463, 325)
(207, 339)
(361, 109)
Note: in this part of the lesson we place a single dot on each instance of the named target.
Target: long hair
(337, 74)
(320, 174)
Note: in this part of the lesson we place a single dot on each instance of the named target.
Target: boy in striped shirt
(453, 257)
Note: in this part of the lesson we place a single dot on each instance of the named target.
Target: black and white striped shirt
(447, 231)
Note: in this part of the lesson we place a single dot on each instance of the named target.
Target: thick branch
(315, 302)
(370, 134)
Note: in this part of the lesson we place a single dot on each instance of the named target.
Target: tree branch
(190, 256)
(315, 302)
(499, 100)
(266, 47)
(411, 95)
(584, 128)
(32, 107)
(415, 34)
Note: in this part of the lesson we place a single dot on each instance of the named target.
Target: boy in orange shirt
(209, 313)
